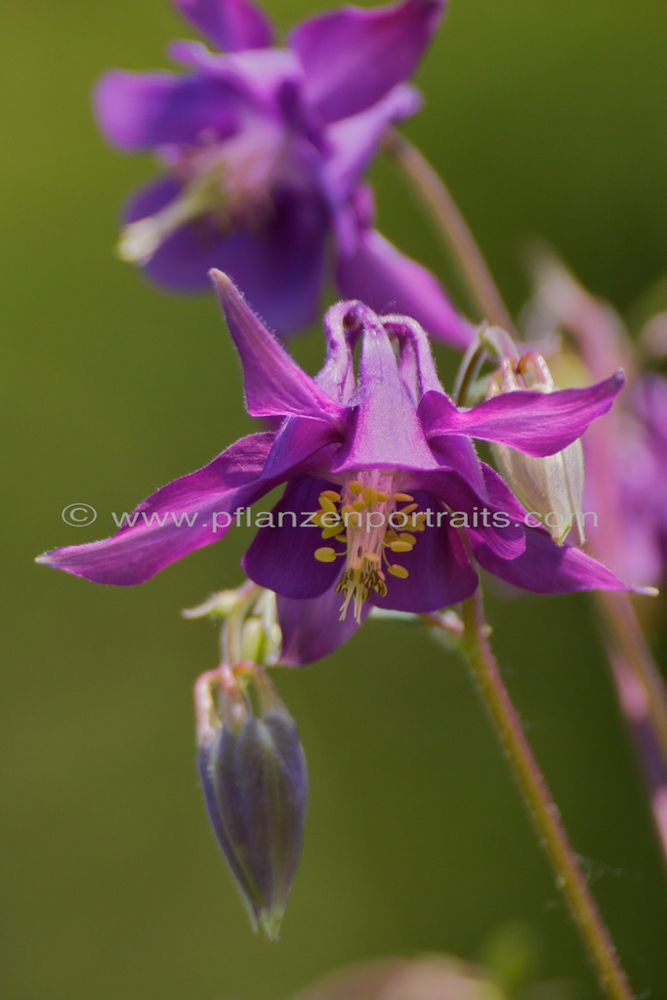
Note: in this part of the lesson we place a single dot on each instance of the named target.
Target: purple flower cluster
(264, 150)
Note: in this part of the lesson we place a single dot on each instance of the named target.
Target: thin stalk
(453, 229)
(538, 801)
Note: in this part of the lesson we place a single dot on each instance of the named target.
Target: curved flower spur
(384, 443)
(264, 149)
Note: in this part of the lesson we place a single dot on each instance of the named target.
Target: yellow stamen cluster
(360, 523)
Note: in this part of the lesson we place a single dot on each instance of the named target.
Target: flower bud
(253, 773)
(550, 488)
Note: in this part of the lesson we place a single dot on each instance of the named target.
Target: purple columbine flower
(386, 442)
(263, 150)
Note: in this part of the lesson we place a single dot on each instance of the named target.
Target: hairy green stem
(538, 801)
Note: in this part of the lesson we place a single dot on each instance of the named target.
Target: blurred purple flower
(626, 454)
(384, 441)
(263, 150)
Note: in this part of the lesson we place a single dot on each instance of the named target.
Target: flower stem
(538, 801)
(453, 229)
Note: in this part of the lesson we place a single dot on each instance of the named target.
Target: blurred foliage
(545, 119)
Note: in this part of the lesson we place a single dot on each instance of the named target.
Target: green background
(546, 119)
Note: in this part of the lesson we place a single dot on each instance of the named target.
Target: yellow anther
(401, 547)
(365, 544)
(334, 530)
(399, 571)
(327, 503)
(325, 554)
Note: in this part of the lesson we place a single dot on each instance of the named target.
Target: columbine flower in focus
(385, 443)
(626, 455)
(263, 150)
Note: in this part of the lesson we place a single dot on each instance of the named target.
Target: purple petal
(141, 110)
(354, 141)
(337, 375)
(353, 218)
(409, 332)
(457, 454)
(309, 444)
(280, 267)
(536, 423)
(601, 336)
(352, 57)
(547, 568)
(380, 275)
(274, 384)
(408, 370)
(174, 521)
(495, 517)
(440, 572)
(312, 628)
(260, 74)
(649, 399)
(386, 430)
(232, 25)
(282, 557)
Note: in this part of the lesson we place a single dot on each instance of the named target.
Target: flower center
(365, 524)
(231, 183)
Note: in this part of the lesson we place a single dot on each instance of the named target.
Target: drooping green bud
(253, 773)
(550, 488)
